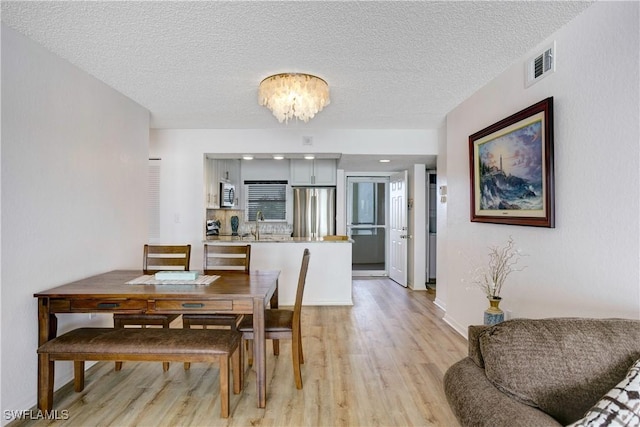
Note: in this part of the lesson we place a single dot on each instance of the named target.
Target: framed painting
(511, 166)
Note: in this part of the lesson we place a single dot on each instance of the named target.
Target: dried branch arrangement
(502, 262)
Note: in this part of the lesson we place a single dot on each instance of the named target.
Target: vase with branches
(491, 277)
(502, 262)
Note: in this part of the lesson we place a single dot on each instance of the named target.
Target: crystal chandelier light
(291, 95)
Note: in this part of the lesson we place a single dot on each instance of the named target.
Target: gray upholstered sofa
(544, 372)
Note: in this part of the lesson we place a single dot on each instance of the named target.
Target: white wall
(74, 191)
(588, 265)
(181, 151)
(418, 213)
(441, 224)
(261, 169)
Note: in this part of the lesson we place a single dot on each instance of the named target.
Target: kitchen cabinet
(215, 172)
(229, 171)
(211, 184)
(313, 172)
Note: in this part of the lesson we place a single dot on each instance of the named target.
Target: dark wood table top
(257, 284)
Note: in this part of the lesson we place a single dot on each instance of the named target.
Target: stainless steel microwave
(227, 195)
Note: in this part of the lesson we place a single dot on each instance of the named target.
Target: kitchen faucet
(259, 217)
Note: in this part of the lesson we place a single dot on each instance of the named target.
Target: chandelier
(291, 95)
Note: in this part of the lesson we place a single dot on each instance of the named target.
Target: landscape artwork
(512, 169)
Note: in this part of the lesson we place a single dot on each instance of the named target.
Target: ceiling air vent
(541, 65)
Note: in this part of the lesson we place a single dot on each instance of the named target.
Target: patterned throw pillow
(620, 407)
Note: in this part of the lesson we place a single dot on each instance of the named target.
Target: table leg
(47, 329)
(45, 382)
(259, 351)
(274, 304)
(47, 322)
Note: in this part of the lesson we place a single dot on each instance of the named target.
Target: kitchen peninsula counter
(270, 239)
(328, 276)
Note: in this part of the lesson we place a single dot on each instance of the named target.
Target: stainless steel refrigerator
(314, 211)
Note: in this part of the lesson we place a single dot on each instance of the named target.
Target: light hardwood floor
(378, 363)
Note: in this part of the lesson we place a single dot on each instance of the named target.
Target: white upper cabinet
(211, 189)
(229, 171)
(313, 172)
(301, 172)
(215, 172)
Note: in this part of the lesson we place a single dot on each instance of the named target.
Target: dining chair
(220, 259)
(283, 324)
(156, 258)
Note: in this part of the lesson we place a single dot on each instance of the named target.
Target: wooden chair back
(283, 324)
(302, 279)
(165, 257)
(226, 258)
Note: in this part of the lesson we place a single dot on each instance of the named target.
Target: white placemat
(151, 280)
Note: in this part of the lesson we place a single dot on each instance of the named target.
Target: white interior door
(399, 230)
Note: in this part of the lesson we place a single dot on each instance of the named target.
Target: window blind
(270, 198)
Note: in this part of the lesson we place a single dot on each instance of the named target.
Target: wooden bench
(141, 344)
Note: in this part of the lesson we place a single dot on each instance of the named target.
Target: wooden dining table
(109, 292)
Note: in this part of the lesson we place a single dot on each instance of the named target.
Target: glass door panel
(367, 224)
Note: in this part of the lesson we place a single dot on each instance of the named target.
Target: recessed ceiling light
(384, 160)
(309, 157)
(278, 156)
(247, 157)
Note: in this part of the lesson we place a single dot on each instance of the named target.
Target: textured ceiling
(390, 65)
